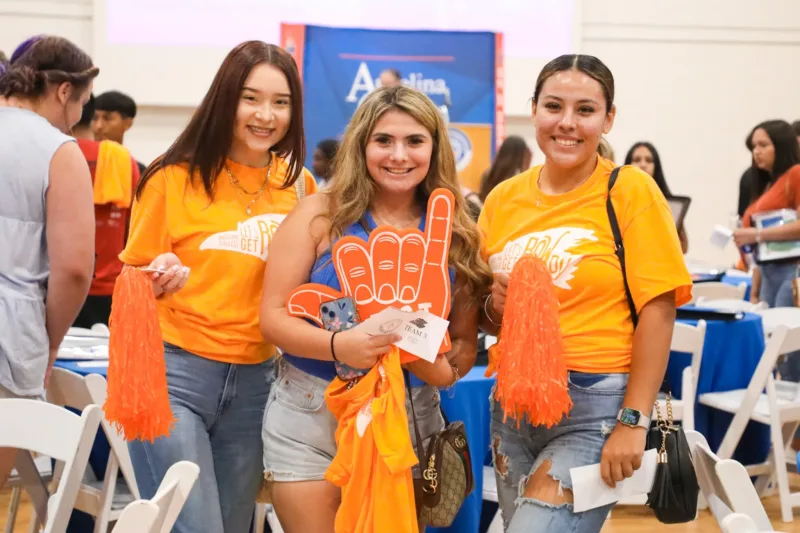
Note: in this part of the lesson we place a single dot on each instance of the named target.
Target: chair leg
(781, 473)
(13, 507)
(497, 523)
(259, 518)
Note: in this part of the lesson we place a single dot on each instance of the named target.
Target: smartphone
(341, 315)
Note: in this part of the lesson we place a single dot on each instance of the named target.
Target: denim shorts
(577, 440)
(299, 430)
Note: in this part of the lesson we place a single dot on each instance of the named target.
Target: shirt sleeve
(149, 235)
(654, 261)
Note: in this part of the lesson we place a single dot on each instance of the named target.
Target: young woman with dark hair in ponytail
(46, 212)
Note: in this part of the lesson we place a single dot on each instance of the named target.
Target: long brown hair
(46, 60)
(352, 188)
(205, 142)
(509, 161)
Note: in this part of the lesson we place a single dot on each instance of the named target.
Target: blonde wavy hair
(352, 188)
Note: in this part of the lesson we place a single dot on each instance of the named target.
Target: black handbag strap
(407, 377)
(619, 250)
(619, 247)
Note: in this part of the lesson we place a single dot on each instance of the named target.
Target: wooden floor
(623, 519)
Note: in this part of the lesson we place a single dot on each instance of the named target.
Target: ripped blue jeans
(576, 441)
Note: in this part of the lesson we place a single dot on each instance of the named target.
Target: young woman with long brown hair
(210, 206)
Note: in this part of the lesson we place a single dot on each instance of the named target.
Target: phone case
(341, 315)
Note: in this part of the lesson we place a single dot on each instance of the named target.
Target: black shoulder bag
(673, 497)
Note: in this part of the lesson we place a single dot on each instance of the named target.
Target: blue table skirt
(731, 353)
(468, 401)
(737, 280)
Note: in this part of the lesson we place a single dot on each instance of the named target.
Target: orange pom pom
(531, 373)
(138, 401)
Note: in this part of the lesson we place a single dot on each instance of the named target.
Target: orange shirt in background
(111, 227)
(784, 194)
(572, 234)
(215, 315)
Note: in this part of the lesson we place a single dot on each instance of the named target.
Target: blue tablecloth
(468, 401)
(731, 353)
(737, 280)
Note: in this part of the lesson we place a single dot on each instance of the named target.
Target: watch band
(644, 420)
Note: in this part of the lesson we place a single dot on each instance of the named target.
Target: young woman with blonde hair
(394, 154)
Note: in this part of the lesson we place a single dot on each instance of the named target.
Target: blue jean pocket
(600, 384)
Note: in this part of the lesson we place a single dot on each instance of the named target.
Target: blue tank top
(324, 273)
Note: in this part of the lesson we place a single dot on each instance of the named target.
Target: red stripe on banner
(375, 57)
(499, 91)
(293, 40)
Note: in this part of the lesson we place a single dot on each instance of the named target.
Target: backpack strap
(619, 248)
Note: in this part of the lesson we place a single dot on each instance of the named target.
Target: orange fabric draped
(374, 452)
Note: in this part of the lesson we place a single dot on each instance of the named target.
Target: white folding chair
(774, 317)
(778, 408)
(691, 340)
(44, 468)
(738, 523)
(716, 290)
(731, 304)
(137, 517)
(172, 493)
(52, 431)
(490, 495)
(105, 500)
(726, 486)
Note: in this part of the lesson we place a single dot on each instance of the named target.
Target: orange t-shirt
(374, 454)
(215, 315)
(784, 194)
(572, 234)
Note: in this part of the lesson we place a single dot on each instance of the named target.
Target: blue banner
(455, 69)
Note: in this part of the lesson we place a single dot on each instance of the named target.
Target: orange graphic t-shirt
(572, 234)
(215, 315)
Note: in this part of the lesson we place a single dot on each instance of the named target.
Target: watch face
(629, 417)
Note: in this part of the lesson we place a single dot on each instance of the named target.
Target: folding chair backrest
(727, 487)
(73, 390)
(137, 517)
(55, 432)
(172, 494)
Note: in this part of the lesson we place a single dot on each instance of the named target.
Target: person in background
(322, 161)
(113, 171)
(605, 150)
(46, 216)
(796, 128)
(513, 157)
(776, 161)
(390, 77)
(645, 156)
(753, 183)
(613, 367)
(114, 113)
(210, 205)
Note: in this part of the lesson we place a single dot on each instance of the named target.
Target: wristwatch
(633, 418)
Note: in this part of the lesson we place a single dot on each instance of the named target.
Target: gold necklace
(238, 187)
